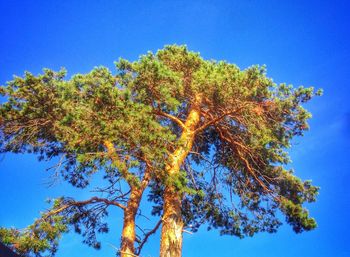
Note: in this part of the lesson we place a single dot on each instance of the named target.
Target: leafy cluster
(42, 237)
(52, 117)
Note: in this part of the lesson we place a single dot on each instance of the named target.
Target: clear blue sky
(301, 42)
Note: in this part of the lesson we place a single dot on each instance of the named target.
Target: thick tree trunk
(128, 237)
(171, 237)
(127, 248)
(172, 226)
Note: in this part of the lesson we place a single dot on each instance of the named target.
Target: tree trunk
(128, 237)
(172, 226)
(171, 237)
(127, 248)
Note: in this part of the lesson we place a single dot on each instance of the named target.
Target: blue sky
(301, 42)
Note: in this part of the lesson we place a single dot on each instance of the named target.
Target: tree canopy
(207, 139)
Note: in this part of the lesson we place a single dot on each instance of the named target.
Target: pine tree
(207, 138)
(91, 125)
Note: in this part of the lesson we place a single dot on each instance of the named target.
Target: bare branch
(188, 232)
(147, 235)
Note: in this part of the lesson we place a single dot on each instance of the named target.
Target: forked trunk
(172, 225)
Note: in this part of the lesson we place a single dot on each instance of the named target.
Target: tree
(91, 125)
(207, 138)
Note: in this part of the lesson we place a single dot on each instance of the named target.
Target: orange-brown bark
(172, 226)
(171, 236)
(127, 248)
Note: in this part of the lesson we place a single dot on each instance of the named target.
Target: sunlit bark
(128, 237)
(127, 248)
(172, 226)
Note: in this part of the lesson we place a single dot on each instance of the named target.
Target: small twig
(188, 232)
(119, 251)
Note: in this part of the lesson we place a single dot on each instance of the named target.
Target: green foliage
(42, 237)
(234, 178)
(36, 239)
(51, 116)
(255, 121)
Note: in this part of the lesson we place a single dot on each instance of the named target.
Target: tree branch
(211, 122)
(171, 117)
(80, 203)
(86, 202)
(235, 147)
(154, 230)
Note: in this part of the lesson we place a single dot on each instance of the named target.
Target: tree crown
(233, 178)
